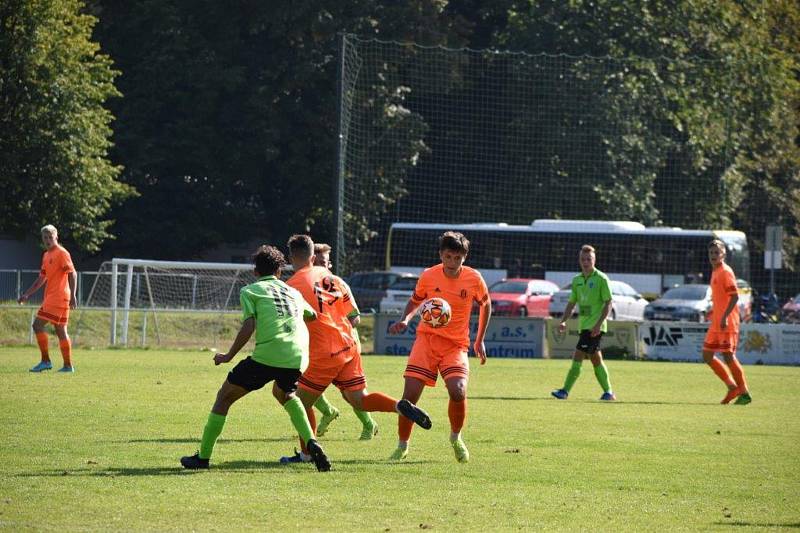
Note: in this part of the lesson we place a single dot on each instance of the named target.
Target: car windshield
(403, 284)
(687, 292)
(514, 287)
(797, 299)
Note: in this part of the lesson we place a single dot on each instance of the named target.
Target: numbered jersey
(281, 333)
(332, 333)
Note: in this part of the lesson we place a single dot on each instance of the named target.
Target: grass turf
(99, 450)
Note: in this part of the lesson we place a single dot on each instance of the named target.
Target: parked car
(627, 303)
(690, 303)
(790, 312)
(398, 294)
(369, 288)
(522, 297)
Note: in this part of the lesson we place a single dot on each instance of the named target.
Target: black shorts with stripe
(252, 375)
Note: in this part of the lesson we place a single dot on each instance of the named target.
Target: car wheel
(613, 315)
(523, 311)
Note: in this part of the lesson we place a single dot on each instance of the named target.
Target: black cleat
(318, 456)
(414, 413)
(193, 462)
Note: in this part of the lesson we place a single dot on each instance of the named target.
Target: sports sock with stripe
(323, 405)
(300, 419)
(721, 372)
(404, 427)
(601, 373)
(66, 351)
(572, 375)
(377, 401)
(211, 432)
(457, 413)
(44, 348)
(738, 373)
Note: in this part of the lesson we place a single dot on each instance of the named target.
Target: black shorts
(253, 375)
(587, 343)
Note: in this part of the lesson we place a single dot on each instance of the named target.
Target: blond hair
(49, 229)
(587, 249)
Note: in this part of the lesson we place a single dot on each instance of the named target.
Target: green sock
(602, 377)
(210, 433)
(299, 418)
(572, 375)
(365, 417)
(323, 406)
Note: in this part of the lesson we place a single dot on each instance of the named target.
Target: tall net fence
(489, 142)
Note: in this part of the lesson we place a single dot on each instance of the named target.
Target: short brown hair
(454, 241)
(587, 249)
(301, 246)
(268, 260)
(716, 243)
(321, 248)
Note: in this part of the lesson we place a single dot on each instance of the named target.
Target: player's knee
(457, 391)
(708, 357)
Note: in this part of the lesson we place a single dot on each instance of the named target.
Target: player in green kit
(276, 313)
(592, 295)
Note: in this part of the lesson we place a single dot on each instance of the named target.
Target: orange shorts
(432, 355)
(58, 316)
(721, 341)
(344, 371)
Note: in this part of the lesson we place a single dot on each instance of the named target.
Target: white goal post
(124, 284)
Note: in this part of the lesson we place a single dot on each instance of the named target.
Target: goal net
(174, 303)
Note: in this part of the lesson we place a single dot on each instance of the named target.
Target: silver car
(627, 303)
(688, 303)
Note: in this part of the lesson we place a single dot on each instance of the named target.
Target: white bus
(650, 259)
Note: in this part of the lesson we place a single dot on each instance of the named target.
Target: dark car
(369, 288)
(690, 303)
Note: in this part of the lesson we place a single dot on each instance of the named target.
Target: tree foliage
(54, 131)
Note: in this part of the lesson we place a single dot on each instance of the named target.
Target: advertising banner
(758, 343)
(505, 337)
(621, 340)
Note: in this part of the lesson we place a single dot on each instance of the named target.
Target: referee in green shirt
(592, 295)
(277, 314)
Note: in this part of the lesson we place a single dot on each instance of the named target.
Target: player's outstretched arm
(484, 314)
(401, 325)
(245, 332)
(32, 289)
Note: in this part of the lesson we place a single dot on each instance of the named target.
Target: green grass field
(98, 450)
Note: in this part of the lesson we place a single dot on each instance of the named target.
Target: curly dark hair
(268, 260)
(454, 241)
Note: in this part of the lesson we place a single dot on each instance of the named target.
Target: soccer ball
(435, 312)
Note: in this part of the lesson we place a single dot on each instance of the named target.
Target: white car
(627, 303)
(397, 295)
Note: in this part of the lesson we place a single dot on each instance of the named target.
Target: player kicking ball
(276, 313)
(723, 331)
(591, 292)
(443, 350)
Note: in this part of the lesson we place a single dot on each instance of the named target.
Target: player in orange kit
(723, 331)
(444, 350)
(334, 352)
(58, 274)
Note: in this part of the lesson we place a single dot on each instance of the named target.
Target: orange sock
(404, 426)
(378, 401)
(312, 420)
(66, 351)
(41, 340)
(457, 412)
(738, 373)
(722, 372)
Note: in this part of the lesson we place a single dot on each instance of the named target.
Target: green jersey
(591, 295)
(281, 333)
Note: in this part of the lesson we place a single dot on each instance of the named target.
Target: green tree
(54, 131)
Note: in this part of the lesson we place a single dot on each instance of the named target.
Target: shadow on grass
(549, 399)
(793, 525)
(196, 440)
(228, 466)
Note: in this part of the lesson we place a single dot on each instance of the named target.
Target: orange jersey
(723, 286)
(331, 333)
(56, 266)
(459, 292)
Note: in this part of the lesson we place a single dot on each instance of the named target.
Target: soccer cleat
(560, 394)
(414, 413)
(193, 462)
(399, 454)
(460, 449)
(608, 397)
(42, 366)
(732, 393)
(298, 457)
(326, 421)
(67, 369)
(369, 431)
(743, 399)
(318, 456)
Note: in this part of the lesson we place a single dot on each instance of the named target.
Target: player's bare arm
(245, 332)
(33, 288)
(72, 279)
(401, 325)
(562, 326)
(723, 321)
(484, 314)
(603, 316)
